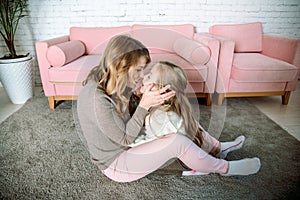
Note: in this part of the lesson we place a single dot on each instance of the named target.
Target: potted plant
(16, 72)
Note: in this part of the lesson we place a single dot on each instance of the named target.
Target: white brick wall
(53, 18)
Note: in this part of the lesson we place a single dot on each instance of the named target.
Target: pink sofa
(254, 64)
(64, 62)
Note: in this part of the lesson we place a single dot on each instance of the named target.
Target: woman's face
(136, 73)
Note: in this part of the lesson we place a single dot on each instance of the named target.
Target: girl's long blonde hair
(121, 52)
(171, 74)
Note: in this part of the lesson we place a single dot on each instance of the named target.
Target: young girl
(103, 112)
(174, 115)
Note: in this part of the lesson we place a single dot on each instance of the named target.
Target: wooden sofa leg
(51, 102)
(208, 99)
(220, 99)
(286, 97)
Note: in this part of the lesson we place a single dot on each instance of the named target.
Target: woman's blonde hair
(120, 54)
(173, 75)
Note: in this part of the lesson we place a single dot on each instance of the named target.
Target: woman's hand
(154, 97)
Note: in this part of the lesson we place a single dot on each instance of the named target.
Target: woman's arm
(120, 130)
(124, 130)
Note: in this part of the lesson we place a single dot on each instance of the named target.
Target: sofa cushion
(63, 53)
(160, 38)
(74, 72)
(192, 51)
(255, 67)
(247, 37)
(194, 73)
(95, 37)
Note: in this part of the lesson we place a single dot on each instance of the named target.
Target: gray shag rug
(42, 156)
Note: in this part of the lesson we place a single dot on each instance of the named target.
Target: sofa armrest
(224, 63)
(41, 52)
(296, 60)
(285, 49)
(214, 46)
(279, 47)
(57, 40)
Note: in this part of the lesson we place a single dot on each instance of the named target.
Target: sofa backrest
(247, 37)
(160, 38)
(95, 39)
(157, 38)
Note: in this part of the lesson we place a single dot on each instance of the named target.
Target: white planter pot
(17, 79)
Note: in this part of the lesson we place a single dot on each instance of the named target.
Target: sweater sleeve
(114, 126)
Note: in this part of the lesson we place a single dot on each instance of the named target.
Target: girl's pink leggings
(141, 160)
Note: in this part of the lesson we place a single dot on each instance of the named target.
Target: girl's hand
(154, 97)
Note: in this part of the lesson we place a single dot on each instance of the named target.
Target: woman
(109, 129)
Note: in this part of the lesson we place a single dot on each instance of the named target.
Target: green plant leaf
(12, 11)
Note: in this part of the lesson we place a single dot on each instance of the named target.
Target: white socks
(227, 147)
(243, 167)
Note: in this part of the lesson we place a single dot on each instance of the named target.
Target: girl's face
(152, 77)
(136, 73)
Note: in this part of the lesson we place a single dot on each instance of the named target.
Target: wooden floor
(287, 116)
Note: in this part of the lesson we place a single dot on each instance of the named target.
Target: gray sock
(243, 167)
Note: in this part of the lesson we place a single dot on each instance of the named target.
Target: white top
(161, 123)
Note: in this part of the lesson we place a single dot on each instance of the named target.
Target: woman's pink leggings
(141, 160)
